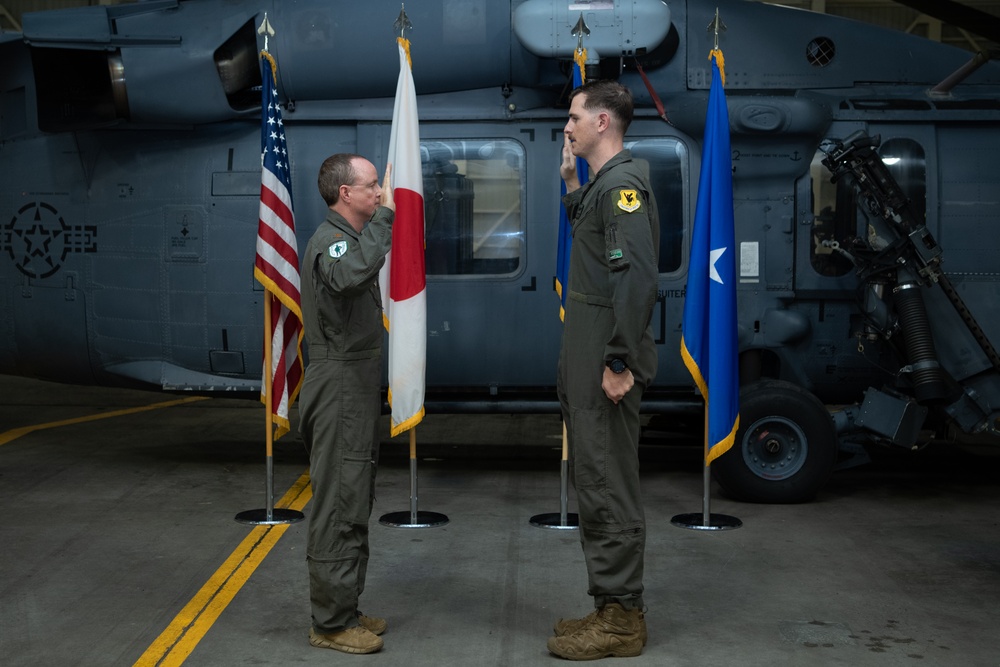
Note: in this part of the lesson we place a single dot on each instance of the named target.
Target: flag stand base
(562, 519)
(413, 518)
(409, 520)
(270, 515)
(696, 521)
(556, 520)
(274, 517)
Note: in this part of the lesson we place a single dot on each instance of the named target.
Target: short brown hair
(608, 95)
(335, 171)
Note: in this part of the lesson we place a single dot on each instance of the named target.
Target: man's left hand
(616, 385)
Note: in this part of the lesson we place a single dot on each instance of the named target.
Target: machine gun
(901, 255)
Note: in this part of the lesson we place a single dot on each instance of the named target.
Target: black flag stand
(413, 518)
(563, 520)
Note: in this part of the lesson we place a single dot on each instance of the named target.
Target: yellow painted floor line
(14, 434)
(188, 628)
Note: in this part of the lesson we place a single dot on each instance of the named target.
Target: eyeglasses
(371, 186)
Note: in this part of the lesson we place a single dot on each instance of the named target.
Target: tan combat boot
(355, 639)
(373, 624)
(613, 632)
(567, 626)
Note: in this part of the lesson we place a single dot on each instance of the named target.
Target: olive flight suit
(612, 288)
(339, 407)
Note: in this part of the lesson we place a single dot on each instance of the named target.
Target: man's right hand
(567, 169)
(386, 198)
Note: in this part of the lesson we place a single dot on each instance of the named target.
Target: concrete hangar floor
(118, 546)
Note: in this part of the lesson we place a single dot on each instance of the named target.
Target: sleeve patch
(628, 201)
(337, 249)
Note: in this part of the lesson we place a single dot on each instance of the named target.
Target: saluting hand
(567, 169)
(386, 199)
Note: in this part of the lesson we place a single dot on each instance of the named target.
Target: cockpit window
(473, 207)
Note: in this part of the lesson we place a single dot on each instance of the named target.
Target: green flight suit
(339, 407)
(612, 288)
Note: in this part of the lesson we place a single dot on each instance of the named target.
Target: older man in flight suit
(340, 401)
(608, 358)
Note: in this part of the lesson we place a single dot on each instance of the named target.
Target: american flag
(277, 263)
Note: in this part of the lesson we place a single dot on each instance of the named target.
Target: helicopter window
(904, 158)
(835, 219)
(664, 160)
(473, 221)
(835, 205)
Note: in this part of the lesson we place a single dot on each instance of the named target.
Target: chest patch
(628, 201)
(337, 249)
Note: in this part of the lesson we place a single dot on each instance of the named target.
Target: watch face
(617, 366)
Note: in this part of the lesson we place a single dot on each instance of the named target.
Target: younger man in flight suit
(608, 358)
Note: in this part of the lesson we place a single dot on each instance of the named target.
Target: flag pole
(413, 518)
(706, 520)
(404, 314)
(563, 520)
(269, 515)
(265, 272)
(713, 228)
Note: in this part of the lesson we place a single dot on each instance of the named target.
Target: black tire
(785, 448)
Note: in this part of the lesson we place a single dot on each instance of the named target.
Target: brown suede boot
(613, 632)
(355, 639)
(567, 626)
(373, 624)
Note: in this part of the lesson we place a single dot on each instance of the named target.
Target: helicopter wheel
(785, 447)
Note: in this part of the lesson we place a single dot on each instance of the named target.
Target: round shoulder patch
(337, 249)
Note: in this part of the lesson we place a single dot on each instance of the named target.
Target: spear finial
(266, 30)
(402, 23)
(579, 31)
(716, 26)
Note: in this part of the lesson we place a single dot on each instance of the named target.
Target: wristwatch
(617, 365)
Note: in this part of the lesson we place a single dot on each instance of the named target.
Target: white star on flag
(713, 272)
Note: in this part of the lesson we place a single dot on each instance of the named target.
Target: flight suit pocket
(355, 488)
(590, 449)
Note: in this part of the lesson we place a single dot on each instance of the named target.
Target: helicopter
(865, 193)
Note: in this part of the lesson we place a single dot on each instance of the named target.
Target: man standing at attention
(608, 358)
(340, 402)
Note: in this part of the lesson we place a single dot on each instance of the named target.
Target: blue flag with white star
(709, 343)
